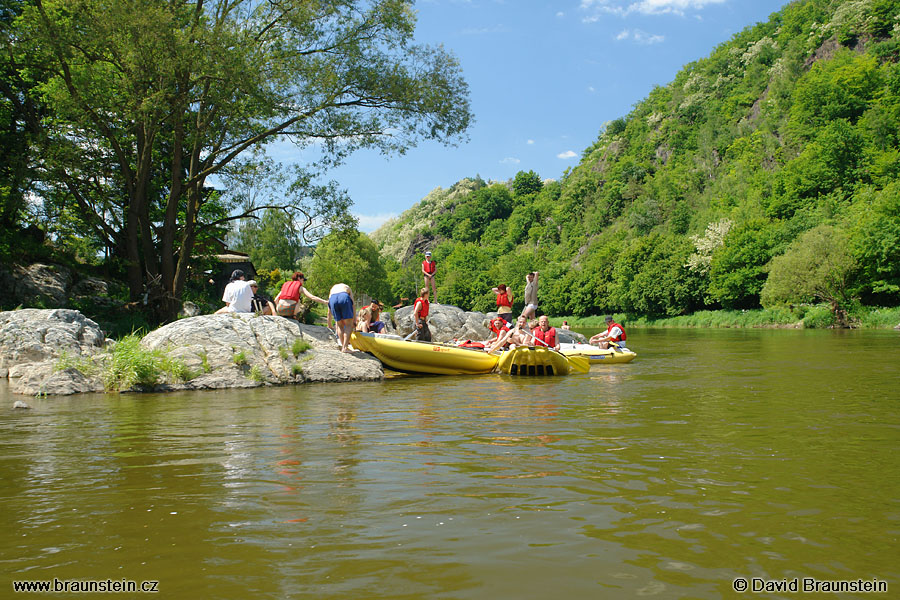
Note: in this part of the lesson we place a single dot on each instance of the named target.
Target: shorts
(508, 317)
(531, 306)
(376, 326)
(341, 305)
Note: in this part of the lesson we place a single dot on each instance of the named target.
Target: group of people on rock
(242, 296)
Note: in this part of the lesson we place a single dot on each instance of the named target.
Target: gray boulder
(33, 335)
(446, 323)
(451, 323)
(217, 351)
(40, 284)
(245, 350)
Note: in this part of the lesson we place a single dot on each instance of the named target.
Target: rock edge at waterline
(219, 351)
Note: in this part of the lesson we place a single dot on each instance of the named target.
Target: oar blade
(579, 363)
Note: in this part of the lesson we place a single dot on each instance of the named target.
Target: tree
(738, 269)
(151, 99)
(527, 183)
(272, 241)
(348, 257)
(817, 265)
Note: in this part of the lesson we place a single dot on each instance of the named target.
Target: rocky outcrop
(33, 335)
(62, 352)
(446, 323)
(243, 350)
(451, 323)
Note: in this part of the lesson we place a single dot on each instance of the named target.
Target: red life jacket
(429, 267)
(499, 330)
(291, 290)
(503, 300)
(548, 337)
(423, 312)
(620, 338)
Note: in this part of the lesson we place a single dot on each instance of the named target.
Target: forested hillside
(765, 173)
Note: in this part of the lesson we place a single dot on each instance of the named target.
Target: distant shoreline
(799, 317)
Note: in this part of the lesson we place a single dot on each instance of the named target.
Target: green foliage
(130, 364)
(297, 369)
(527, 183)
(348, 257)
(239, 358)
(817, 265)
(135, 127)
(256, 374)
(875, 243)
(819, 317)
(272, 241)
(738, 268)
(299, 346)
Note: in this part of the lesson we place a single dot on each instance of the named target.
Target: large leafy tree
(817, 265)
(352, 258)
(151, 99)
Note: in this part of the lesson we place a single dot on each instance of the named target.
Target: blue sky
(543, 77)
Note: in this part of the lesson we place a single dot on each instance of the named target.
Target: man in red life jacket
(546, 334)
(420, 313)
(614, 333)
(429, 267)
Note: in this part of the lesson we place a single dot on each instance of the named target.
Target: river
(715, 455)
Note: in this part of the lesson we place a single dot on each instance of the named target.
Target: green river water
(715, 455)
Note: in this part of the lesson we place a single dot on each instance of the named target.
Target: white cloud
(591, 89)
(369, 223)
(530, 142)
(595, 9)
(566, 155)
(560, 15)
(510, 160)
(640, 37)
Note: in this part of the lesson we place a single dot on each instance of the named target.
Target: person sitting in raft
(614, 333)
(376, 325)
(565, 325)
(420, 312)
(237, 296)
(340, 306)
(504, 302)
(520, 335)
(260, 304)
(498, 327)
(546, 334)
(429, 268)
(363, 319)
(287, 302)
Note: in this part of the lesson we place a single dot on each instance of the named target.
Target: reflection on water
(716, 454)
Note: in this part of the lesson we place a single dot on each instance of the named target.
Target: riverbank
(799, 317)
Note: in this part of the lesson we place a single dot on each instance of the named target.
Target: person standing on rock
(504, 302)
(340, 306)
(420, 313)
(429, 268)
(531, 287)
(238, 295)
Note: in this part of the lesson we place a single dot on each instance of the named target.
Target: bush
(819, 317)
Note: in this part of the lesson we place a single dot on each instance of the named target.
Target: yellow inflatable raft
(539, 361)
(423, 357)
(596, 355)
